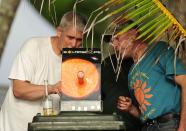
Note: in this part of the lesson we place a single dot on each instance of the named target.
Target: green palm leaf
(152, 26)
(150, 17)
(151, 23)
(155, 10)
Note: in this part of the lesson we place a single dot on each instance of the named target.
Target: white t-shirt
(35, 62)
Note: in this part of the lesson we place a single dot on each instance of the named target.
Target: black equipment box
(76, 121)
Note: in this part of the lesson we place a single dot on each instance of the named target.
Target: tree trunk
(7, 12)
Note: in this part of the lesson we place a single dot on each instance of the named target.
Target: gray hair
(71, 19)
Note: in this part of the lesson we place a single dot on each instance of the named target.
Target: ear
(59, 31)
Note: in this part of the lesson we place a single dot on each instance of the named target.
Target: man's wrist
(50, 89)
(131, 108)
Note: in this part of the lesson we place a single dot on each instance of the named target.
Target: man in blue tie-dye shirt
(158, 82)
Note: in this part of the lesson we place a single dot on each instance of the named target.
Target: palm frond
(171, 17)
(41, 6)
(151, 17)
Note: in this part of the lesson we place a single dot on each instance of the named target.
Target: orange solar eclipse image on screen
(80, 78)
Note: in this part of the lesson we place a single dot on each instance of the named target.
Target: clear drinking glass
(47, 102)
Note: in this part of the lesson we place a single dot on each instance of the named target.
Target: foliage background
(57, 8)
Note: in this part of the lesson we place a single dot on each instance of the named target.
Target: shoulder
(164, 45)
(160, 48)
(165, 48)
(160, 45)
(35, 43)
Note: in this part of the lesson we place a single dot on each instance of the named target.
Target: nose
(73, 43)
(115, 42)
(76, 43)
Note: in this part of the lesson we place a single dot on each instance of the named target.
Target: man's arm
(125, 104)
(27, 91)
(181, 80)
(134, 111)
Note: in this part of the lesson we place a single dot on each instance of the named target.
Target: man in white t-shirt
(39, 59)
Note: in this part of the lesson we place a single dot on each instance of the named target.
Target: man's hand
(181, 128)
(55, 89)
(124, 103)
